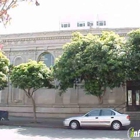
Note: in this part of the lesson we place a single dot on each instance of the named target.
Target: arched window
(47, 58)
(16, 92)
(18, 61)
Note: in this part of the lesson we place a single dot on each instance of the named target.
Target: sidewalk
(27, 121)
(47, 122)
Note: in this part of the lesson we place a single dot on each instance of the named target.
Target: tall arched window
(47, 58)
(18, 61)
(16, 92)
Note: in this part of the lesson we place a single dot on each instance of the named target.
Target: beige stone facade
(19, 48)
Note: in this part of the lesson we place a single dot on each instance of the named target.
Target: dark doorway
(133, 96)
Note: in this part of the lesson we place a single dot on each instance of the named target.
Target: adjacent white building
(76, 22)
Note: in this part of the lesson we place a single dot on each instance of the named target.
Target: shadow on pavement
(85, 133)
(53, 128)
(72, 134)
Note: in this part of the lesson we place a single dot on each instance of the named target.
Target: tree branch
(26, 92)
(35, 89)
(3, 22)
(4, 11)
(4, 5)
(29, 93)
(13, 2)
(7, 7)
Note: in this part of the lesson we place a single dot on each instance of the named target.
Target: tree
(30, 77)
(133, 55)
(97, 61)
(4, 64)
(6, 5)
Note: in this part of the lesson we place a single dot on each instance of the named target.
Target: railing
(120, 106)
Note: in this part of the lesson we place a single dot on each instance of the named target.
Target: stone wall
(19, 48)
(50, 104)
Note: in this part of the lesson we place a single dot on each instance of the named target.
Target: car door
(91, 118)
(106, 117)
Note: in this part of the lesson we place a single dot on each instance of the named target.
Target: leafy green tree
(133, 55)
(4, 64)
(97, 61)
(30, 77)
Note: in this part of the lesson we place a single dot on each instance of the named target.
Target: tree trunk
(34, 108)
(100, 98)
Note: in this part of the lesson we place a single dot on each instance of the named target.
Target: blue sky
(29, 18)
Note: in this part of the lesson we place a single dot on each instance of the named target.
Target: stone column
(10, 93)
(3, 96)
(58, 99)
(74, 98)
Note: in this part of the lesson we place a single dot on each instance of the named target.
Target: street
(28, 133)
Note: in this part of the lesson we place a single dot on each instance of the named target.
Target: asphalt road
(28, 133)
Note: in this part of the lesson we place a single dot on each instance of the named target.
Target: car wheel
(116, 125)
(74, 125)
(2, 119)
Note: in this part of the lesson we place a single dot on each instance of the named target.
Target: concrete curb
(28, 122)
(37, 125)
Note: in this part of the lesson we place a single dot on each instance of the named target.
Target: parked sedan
(99, 117)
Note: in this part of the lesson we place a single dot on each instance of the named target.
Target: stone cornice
(58, 35)
(36, 38)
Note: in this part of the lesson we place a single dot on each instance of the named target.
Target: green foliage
(99, 61)
(133, 55)
(31, 76)
(4, 64)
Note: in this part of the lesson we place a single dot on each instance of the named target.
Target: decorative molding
(17, 53)
(22, 53)
(57, 35)
(19, 41)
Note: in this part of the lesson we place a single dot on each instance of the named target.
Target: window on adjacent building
(101, 23)
(90, 24)
(81, 24)
(65, 25)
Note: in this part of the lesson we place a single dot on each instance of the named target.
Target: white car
(99, 117)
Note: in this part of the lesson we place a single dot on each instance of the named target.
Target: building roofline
(55, 33)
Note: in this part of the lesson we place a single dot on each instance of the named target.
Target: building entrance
(133, 96)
